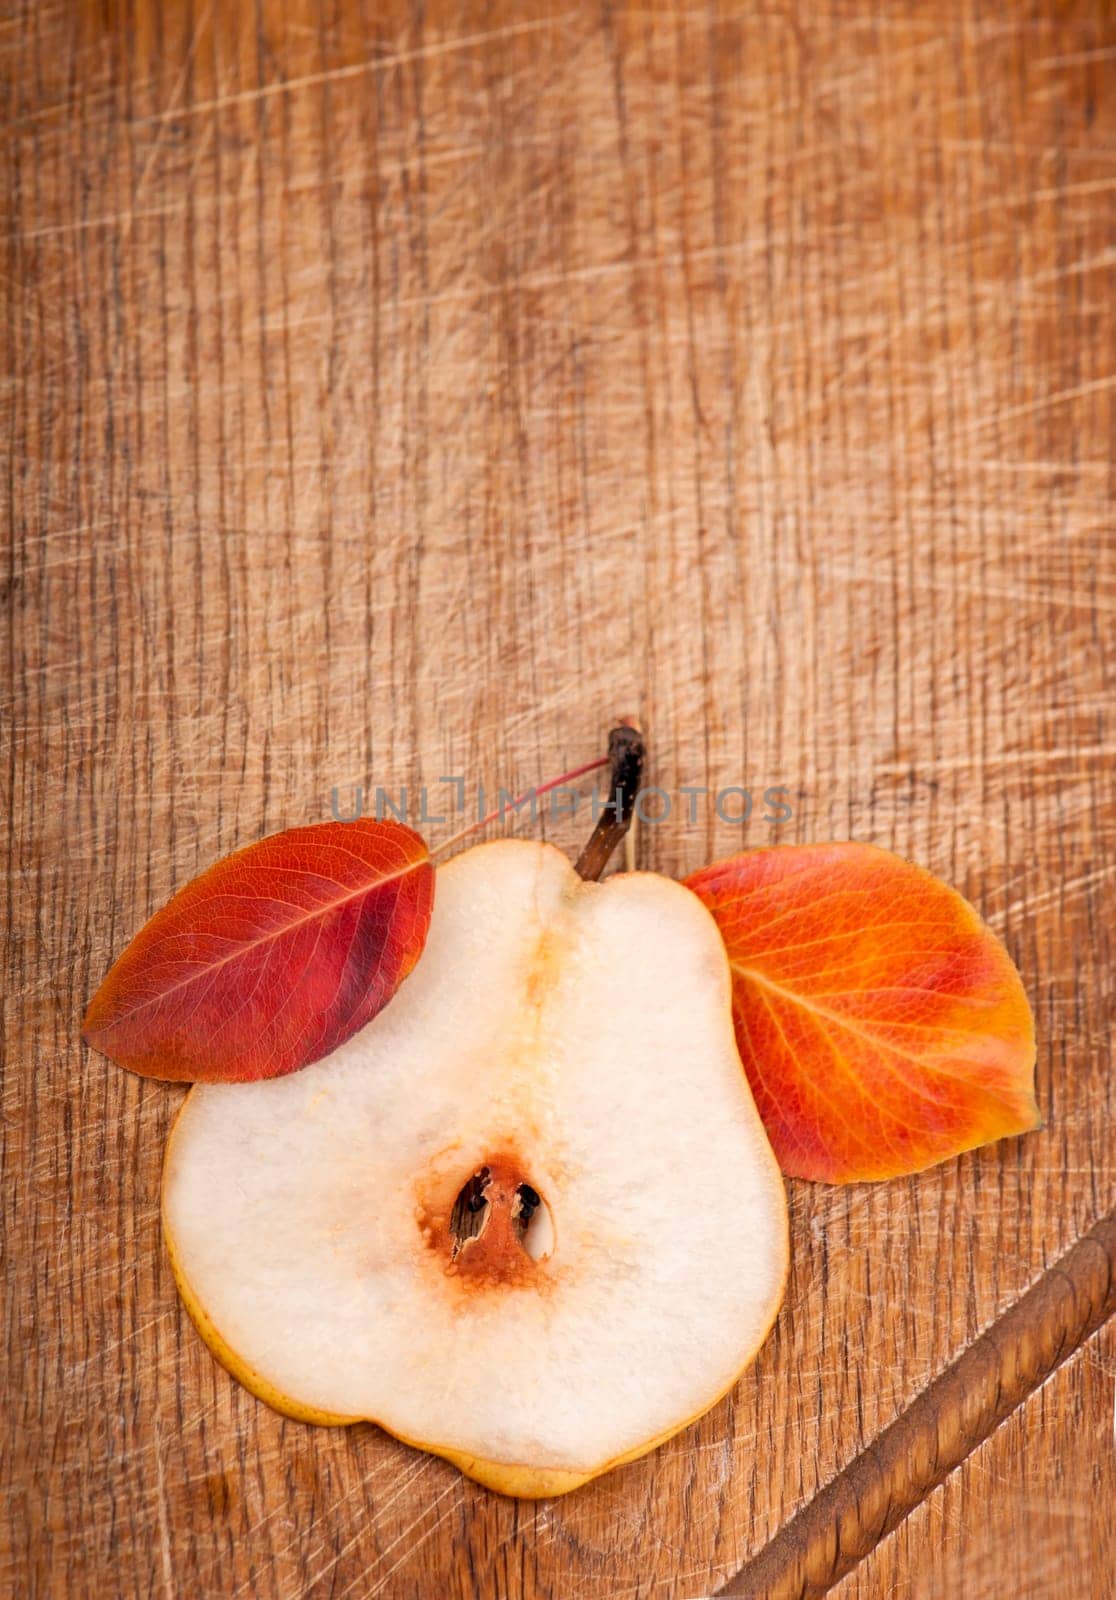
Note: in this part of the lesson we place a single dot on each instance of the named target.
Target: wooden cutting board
(400, 395)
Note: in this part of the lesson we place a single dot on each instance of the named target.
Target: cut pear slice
(528, 1218)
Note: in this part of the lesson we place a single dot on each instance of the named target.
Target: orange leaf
(882, 1025)
(272, 958)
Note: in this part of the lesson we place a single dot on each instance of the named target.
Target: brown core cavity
(481, 1235)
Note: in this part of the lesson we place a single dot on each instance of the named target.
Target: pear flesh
(528, 1218)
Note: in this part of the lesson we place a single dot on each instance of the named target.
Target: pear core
(455, 1225)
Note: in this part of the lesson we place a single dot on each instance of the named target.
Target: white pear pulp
(586, 1029)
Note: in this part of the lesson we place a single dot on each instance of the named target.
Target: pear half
(528, 1218)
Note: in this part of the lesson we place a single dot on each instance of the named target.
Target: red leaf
(882, 1025)
(272, 958)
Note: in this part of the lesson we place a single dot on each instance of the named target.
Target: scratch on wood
(164, 1519)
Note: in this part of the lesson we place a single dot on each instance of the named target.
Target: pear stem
(625, 760)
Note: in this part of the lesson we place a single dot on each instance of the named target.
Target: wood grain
(396, 394)
(941, 1428)
(1019, 1520)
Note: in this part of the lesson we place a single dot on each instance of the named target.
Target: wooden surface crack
(940, 1429)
